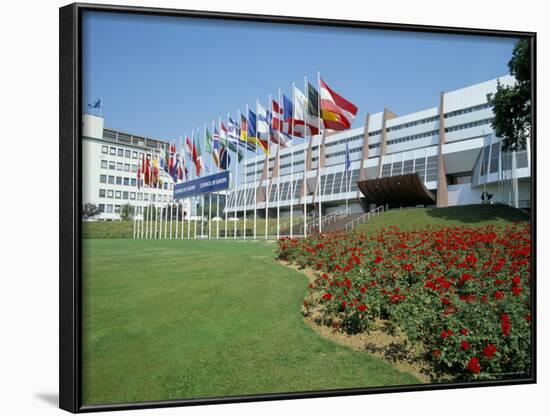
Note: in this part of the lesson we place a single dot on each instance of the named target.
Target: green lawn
(458, 215)
(171, 319)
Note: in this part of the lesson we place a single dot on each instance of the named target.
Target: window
(110, 193)
(125, 195)
(119, 180)
(121, 152)
(127, 181)
(153, 197)
(118, 194)
(140, 196)
(128, 154)
(127, 167)
(165, 185)
(112, 165)
(112, 151)
(111, 179)
(101, 207)
(134, 155)
(103, 164)
(102, 178)
(133, 181)
(102, 193)
(165, 198)
(495, 156)
(134, 168)
(109, 208)
(105, 149)
(146, 197)
(132, 195)
(117, 209)
(119, 166)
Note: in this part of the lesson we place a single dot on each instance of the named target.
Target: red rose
(516, 281)
(473, 365)
(465, 345)
(489, 350)
(436, 353)
(362, 308)
(445, 334)
(505, 324)
(327, 296)
(517, 291)
(464, 331)
(378, 259)
(498, 295)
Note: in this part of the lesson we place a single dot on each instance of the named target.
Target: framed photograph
(270, 207)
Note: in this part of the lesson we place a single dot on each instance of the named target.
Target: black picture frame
(70, 175)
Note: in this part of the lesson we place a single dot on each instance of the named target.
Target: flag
(225, 159)
(232, 130)
(216, 147)
(139, 173)
(197, 157)
(227, 141)
(348, 160)
(277, 116)
(299, 117)
(95, 104)
(337, 112)
(244, 128)
(189, 146)
(155, 176)
(174, 173)
(147, 171)
(172, 158)
(251, 125)
(265, 132)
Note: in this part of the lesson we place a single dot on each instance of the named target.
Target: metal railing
(313, 226)
(365, 217)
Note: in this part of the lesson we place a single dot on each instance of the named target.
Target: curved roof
(403, 190)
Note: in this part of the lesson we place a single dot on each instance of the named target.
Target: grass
(173, 319)
(407, 219)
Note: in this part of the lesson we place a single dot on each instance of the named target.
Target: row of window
(110, 208)
(119, 180)
(469, 125)
(425, 167)
(331, 183)
(467, 110)
(413, 137)
(119, 151)
(140, 196)
(112, 165)
(413, 123)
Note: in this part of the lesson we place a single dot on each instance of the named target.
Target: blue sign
(212, 183)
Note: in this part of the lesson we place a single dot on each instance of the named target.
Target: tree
(512, 104)
(89, 211)
(127, 212)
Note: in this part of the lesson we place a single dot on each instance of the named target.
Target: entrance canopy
(401, 190)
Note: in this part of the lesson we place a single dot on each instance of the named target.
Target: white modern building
(110, 161)
(451, 147)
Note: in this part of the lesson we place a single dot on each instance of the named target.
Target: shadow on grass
(469, 214)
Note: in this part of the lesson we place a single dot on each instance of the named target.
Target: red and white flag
(337, 112)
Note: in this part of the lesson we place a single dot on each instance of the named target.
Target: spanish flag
(337, 113)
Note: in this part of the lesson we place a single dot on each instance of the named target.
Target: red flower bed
(463, 293)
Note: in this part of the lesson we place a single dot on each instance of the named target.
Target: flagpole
(305, 158)
(245, 200)
(218, 193)
(279, 178)
(292, 162)
(210, 193)
(319, 190)
(235, 192)
(256, 168)
(267, 175)
(135, 220)
(202, 195)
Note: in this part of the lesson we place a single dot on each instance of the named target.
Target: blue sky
(162, 76)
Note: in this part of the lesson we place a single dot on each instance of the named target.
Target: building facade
(110, 162)
(451, 146)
